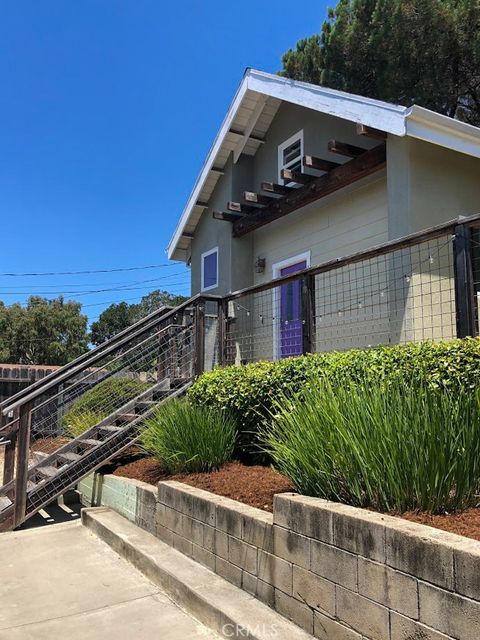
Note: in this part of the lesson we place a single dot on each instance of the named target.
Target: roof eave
(439, 129)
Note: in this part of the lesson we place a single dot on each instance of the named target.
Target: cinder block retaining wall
(339, 572)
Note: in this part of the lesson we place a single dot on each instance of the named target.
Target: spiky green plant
(188, 438)
(390, 446)
(81, 422)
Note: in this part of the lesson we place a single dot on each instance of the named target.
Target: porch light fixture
(260, 265)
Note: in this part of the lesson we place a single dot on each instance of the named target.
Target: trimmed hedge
(248, 392)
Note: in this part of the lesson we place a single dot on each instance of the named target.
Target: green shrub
(248, 392)
(396, 446)
(79, 423)
(103, 399)
(187, 438)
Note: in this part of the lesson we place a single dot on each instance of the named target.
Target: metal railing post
(308, 313)
(9, 451)
(199, 355)
(464, 290)
(222, 312)
(23, 454)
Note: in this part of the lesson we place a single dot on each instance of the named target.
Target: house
(299, 175)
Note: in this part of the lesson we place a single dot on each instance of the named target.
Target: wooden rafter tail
(295, 176)
(278, 189)
(370, 132)
(369, 162)
(237, 207)
(257, 199)
(227, 217)
(344, 149)
(311, 162)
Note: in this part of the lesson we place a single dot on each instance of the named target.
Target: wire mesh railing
(423, 287)
(83, 414)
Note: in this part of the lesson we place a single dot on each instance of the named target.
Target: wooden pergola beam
(278, 189)
(237, 207)
(258, 199)
(370, 132)
(295, 176)
(312, 162)
(344, 149)
(348, 173)
(226, 217)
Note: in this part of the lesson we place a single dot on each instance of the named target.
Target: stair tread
(126, 416)
(5, 502)
(70, 456)
(109, 427)
(89, 441)
(47, 471)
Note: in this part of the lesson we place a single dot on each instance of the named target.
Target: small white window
(210, 269)
(290, 155)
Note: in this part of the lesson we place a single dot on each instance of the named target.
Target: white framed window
(290, 155)
(210, 269)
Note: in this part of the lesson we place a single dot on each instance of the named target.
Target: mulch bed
(49, 445)
(252, 485)
(465, 523)
(256, 486)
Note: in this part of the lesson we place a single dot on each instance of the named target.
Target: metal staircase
(153, 361)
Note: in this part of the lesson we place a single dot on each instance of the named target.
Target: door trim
(276, 269)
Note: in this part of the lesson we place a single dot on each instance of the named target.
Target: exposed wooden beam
(344, 149)
(311, 162)
(236, 207)
(348, 173)
(279, 189)
(237, 132)
(186, 234)
(202, 204)
(257, 199)
(218, 170)
(295, 176)
(252, 121)
(226, 217)
(370, 132)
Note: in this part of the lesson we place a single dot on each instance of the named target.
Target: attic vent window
(290, 155)
(210, 269)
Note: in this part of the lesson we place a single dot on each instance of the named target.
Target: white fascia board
(438, 129)
(372, 113)
(212, 154)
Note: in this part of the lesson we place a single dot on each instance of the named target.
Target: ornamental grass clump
(188, 438)
(391, 446)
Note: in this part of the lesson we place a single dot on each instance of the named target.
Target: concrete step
(212, 600)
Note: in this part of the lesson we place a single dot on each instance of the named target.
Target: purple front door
(291, 328)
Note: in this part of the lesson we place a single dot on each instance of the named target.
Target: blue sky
(107, 110)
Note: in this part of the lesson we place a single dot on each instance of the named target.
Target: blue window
(210, 269)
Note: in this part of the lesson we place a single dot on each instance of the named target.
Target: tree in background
(42, 332)
(119, 316)
(403, 51)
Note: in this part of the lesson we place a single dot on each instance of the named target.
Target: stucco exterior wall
(428, 185)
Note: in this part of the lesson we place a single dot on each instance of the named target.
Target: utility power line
(75, 273)
(93, 284)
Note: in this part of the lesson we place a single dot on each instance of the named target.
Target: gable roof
(254, 106)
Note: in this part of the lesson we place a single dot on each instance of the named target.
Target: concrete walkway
(63, 582)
